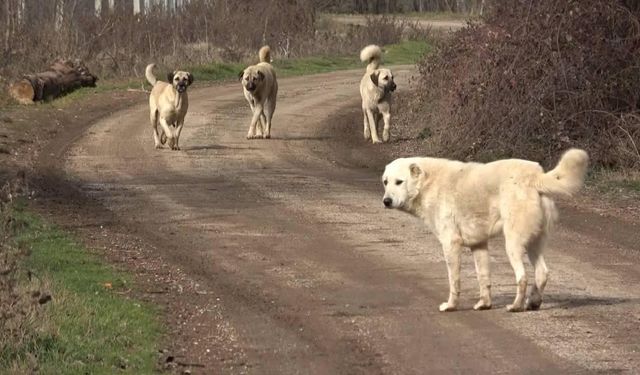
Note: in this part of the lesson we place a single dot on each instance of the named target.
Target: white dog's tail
(568, 176)
(149, 74)
(372, 55)
(265, 54)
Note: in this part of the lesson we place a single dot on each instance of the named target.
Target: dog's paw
(158, 146)
(267, 136)
(482, 305)
(250, 136)
(376, 141)
(385, 136)
(532, 305)
(367, 135)
(515, 308)
(446, 307)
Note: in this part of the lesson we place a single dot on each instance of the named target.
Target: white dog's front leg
(167, 131)
(386, 117)
(372, 126)
(367, 131)
(178, 131)
(257, 112)
(452, 252)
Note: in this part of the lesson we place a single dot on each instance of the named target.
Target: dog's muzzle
(392, 87)
(181, 88)
(250, 86)
(387, 202)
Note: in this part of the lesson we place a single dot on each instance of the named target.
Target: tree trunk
(63, 76)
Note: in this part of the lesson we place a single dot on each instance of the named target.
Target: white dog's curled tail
(568, 176)
(265, 54)
(149, 74)
(372, 55)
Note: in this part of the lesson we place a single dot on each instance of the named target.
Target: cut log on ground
(62, 77)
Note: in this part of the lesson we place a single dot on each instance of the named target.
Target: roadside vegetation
(531, 80)
(62, 309)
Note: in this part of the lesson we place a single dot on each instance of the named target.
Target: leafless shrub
(536, 78)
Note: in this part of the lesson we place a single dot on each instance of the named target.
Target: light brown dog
(376, 87)
(168, 104)
(260, 88)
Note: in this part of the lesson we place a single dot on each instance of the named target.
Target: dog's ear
(190, 77)
(415, 170)
(240, 75)
(261, 75)
(170, 76)
(374, 78)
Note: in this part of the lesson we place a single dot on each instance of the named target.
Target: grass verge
(89, 326)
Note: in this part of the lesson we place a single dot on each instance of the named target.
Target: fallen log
(62, 77)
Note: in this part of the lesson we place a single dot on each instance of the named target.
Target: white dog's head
(383, 78)
(402, 180)
(180, 80)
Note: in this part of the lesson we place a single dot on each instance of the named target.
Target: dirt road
(300, 270)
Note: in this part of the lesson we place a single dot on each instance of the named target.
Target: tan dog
(260, 88)
(168, 104)
(376, 87)
(464, 204)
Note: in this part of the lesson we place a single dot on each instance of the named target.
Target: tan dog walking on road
(465, 204)
(260, 88)
(376, 87)
(168, 104)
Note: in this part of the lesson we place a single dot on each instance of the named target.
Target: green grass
(407, 52)
(87, 328)
(610, 182)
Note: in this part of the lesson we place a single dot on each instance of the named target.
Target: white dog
(464, 204)
(168, 105)
(260, 88)
(376, 87)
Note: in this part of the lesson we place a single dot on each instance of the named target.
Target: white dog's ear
(415, 170)
(261, 75)
(170, 76)
(240, 75)
(374, 78)
(190, 77)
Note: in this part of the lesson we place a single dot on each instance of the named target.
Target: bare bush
(536, 78)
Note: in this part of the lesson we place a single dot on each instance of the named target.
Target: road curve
(308, 274)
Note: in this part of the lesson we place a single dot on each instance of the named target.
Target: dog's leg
(452, 250)
(257, 111)
(154, 125)
(367, 131)
(481, 258)
(515, 252)
(535, 250)
(177, 138)
(372, 126)
(386, 117)
(268, 114)
(167, 131)
(261, 128)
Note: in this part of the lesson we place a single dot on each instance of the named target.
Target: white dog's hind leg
(481, 258)
(167, 131)
(515, 252)
(262, 126)
(452, 251)
(535, 250)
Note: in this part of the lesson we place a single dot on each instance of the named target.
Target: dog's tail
(568, 176)
(149, 74)
(265, 54)
(372, 55)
